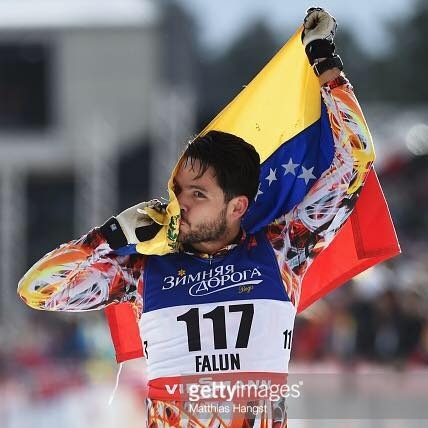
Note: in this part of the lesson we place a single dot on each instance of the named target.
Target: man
(221, 308)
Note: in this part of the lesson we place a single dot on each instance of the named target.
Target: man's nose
(182, 202)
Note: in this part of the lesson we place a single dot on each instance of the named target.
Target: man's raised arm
(301, 234)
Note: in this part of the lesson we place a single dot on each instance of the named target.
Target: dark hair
(235, 162)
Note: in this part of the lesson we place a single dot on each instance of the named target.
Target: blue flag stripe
(288, 174)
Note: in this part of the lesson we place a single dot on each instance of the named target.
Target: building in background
(89, 121)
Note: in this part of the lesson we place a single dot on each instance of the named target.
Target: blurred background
(98, 97)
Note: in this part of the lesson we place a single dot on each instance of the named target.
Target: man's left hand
(318, 24)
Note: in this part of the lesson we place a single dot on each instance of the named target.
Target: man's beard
(205, 232)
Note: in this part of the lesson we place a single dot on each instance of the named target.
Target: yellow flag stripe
(271, 109)
(279, 103)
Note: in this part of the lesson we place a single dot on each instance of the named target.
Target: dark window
(51, 213)
(134, 175)
(24, 86)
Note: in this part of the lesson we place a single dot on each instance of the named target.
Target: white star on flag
(259, 192)
(290, 167)
(272, 176)
(307, 174)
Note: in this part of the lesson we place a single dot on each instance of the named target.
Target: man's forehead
(193, 169)
(190, 173)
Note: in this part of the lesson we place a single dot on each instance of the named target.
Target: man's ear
(238, 206)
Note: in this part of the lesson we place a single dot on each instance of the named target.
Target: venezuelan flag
(281, 114)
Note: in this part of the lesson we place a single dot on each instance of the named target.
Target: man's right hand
(136, 225)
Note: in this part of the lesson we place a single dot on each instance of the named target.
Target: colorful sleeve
(83, 275)
(301, 234)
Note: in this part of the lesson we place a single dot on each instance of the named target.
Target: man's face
(203, 208)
